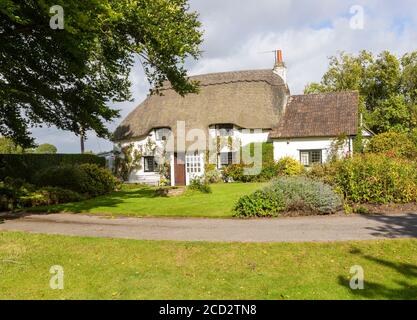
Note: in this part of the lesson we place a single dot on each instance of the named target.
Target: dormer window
(162, 134)
(224, 130)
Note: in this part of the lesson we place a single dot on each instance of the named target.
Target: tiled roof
(319, 115)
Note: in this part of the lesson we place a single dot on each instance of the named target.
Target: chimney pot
(279, 56)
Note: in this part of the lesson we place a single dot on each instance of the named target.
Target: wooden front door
(179, 169)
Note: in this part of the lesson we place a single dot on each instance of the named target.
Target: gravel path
(298, 229)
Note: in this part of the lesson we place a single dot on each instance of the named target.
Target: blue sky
(237, 32)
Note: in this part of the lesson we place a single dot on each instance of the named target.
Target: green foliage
(299, 194)
(392, 113)
(67, 77)
(88, 179)
(307, 195)
(262, 203)
(387, 87)
(99, 180)
(7, 146)
(45, 148)
(200, 185)
(393, 144)
(358, 142)
(413, 136)
(236, 172)
(49, 196)
(288, 166)
(26, 166)
(212, 174)
(17, 194)
(267, 149)
(284, 167)
(372, 178)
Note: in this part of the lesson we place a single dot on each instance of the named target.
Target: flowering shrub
(289, 167)
(371, 178)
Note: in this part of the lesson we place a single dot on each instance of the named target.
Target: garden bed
(391, 208)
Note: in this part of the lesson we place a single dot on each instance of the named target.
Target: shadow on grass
(373, 290)
(110, 200)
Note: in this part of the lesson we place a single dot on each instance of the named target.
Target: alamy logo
(357, 280)
(57, 20)
(357, 21)
(57, 280)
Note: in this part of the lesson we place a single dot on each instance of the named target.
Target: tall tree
(66, 77)
(387, 86)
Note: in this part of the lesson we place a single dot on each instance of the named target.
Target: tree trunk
(82, 139)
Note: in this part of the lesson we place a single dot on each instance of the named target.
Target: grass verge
(130, 269)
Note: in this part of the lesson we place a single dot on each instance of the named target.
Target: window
(225, 130)
(309, 157)
(193, 163)
(162, 134)
(226, 158)
(149, 164)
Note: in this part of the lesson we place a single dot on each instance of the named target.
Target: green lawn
(143, 202)
(130, 269)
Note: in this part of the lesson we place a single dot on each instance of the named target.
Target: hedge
(25, 166)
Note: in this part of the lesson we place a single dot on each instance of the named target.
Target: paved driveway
(328, 228)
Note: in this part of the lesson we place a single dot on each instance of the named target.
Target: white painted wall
(292, 147)
(140, 176)
(245, 136)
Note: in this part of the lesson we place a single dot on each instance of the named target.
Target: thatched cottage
(232, 110)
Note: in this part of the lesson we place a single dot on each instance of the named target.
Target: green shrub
(305, 194)
(289, 194)
(8, 197)
(26, 166)
(212, 175)
(66, 176)
(325, 172)
(88, 179)
(261, 203)
(199, 184)
(49, 196)
(393, 144)
(288, 166)
(16, 195)
(100, 180)
(236, 172)
(376, 179)
(267, 149)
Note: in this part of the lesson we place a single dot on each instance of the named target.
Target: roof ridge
(326, 93)
(221, 78)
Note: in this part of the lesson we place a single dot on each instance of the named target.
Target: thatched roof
(249, 99)
(319, 115)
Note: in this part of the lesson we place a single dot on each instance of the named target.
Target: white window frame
(309, 154)
(193, 164)
(161, 133)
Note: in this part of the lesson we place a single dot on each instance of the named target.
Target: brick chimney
(279, 67)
